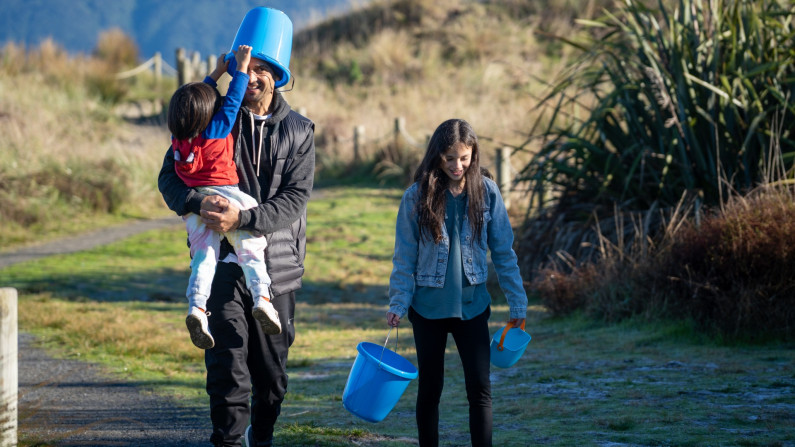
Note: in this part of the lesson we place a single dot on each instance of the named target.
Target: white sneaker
(268, 317)
(248, 439)
(199, 329)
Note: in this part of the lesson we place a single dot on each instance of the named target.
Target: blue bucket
(377, 379)
(269, 32)
(508, 345)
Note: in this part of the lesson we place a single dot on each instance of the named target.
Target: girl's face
(456, 160)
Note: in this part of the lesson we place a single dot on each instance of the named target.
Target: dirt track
(84, 241)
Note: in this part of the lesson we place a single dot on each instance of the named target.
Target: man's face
(261, 80)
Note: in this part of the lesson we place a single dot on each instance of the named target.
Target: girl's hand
(516, 322)
(392, 319)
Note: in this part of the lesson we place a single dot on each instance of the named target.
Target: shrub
(691, 101)
(734, 273)
(100, 186)
(731, 273)
(662, 103)
(117, 49)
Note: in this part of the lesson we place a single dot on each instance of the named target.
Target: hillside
(429, 60)
(197, 25)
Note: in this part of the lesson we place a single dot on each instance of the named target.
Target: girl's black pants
(472, 340)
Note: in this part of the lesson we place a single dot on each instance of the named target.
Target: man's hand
(219, 215)
(220, 68)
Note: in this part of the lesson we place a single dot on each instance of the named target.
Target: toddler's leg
(250, 252)
(204, 245)
(251, 257)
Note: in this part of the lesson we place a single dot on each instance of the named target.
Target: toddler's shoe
(268, 317)
(199, 328)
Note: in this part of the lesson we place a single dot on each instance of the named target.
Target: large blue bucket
(377, 379)
(269, 32)
(508, 345)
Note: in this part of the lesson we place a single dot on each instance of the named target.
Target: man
(275, 158)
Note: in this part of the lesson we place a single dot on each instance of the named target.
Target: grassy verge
(579, 383)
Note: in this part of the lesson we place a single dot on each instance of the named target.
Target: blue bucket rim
(283, 72)
(389, 368)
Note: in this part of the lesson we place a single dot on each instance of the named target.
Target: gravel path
(68, 402)
(85, 241)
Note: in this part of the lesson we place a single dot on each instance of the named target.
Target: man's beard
(253, 101)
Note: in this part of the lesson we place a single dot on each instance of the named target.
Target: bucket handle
(500, 347)
(397, 336)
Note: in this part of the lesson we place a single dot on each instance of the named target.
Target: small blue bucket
(377, 379)
(508, 345)
(269, 32)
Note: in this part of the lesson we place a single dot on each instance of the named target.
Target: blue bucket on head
(269, 32)
(508, 345)
(377, 379)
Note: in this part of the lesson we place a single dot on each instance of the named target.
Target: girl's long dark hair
(433, 182)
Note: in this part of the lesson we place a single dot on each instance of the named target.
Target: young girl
(447, 221)
(201, 124)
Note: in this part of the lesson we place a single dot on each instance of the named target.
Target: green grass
(579, 383)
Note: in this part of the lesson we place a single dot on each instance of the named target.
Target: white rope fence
(155, 63)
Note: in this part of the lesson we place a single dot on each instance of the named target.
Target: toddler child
(201, 124)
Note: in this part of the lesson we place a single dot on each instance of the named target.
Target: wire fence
(154, 63)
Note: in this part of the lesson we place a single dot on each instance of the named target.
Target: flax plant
(664, 103)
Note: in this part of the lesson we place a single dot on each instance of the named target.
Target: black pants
(472, 340)
(244, 363)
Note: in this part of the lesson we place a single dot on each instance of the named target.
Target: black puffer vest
(284, 132)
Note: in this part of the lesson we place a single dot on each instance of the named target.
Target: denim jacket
(421, 262)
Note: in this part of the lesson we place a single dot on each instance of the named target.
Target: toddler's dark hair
(191, 108)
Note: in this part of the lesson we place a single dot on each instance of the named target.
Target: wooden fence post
(181, 67)
(158, 67)
(8, 367)
(195, 65)
(358, 140)
(210, 64)
(400, 125)
(504, 179)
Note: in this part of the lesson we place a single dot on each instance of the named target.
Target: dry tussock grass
(66, 157)
(120, 330)
(729, 272)
(733, 273)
